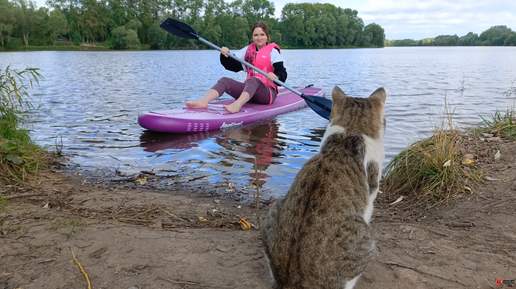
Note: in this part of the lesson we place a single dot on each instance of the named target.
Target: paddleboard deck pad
(190, 120)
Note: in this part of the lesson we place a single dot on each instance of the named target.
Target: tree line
(499, 35)
(126, 24)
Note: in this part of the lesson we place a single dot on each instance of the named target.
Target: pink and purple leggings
(259, 92)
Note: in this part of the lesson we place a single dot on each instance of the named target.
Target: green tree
(70, 9)
(7, 20)
(125, 38)
(446, 40)
(241, 32)
(255, 10)
(212, 30)
(57, 24)
(341, 30)
(27, 18)
(157, 36)
(495, 35)
(377, 35)
(469, 39)
(293, 30)
(511, 40)
(133, 25)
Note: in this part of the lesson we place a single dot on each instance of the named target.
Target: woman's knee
(255, 81)
(225, 80)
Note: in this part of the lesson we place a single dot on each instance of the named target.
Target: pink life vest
(262, 60)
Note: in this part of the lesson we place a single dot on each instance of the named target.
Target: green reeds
(503, 124)
(430, 169)
(19, 155)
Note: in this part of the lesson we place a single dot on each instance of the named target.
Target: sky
(419, 19)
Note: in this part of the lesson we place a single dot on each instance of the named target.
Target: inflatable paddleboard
(215, 117)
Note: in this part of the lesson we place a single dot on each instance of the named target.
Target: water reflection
(153, 141)
(91, 101)
(256, 143)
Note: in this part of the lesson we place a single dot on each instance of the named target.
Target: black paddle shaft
(320, 105)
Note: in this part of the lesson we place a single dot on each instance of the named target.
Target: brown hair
(263, 26)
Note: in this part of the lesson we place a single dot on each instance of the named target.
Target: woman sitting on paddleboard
(256, 88)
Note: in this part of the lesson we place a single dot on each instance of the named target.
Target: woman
(256, 88)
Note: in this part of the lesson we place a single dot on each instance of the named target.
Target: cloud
(418, 19)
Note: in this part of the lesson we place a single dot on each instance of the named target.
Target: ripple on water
(91, 100)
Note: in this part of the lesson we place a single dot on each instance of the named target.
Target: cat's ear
(337, 93)
(379, 94)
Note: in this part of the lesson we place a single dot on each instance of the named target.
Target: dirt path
(126, 238)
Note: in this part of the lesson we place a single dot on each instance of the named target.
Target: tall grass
(430, 169)
(19, 155)
(504, 124)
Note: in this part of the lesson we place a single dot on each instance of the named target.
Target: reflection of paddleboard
(187, 120)
(153, 141)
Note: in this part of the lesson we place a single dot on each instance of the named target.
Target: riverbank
(125, 235)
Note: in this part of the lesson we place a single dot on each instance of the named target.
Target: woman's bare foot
(233, 108)
(199, 103)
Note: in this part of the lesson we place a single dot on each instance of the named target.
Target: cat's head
(363, 115)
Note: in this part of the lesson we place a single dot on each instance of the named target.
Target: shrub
(19, 156)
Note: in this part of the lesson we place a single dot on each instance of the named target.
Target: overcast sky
(418, 19)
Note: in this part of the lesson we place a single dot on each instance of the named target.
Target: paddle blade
(179, 29)
(319, 105)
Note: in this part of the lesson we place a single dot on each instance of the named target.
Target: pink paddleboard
(215, 117)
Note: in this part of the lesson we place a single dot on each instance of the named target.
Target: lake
(90, 103)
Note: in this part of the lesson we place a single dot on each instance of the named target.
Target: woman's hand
(271, 76)
(224, 51)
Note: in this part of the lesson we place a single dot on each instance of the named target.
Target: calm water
(91, 101)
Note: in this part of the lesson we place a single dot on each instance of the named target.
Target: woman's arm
(231, 64)
(277, 64)
(280, 71)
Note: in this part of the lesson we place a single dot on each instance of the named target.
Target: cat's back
(318, 236)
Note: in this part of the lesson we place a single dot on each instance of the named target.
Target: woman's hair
(263, 26)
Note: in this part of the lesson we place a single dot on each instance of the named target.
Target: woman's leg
(202, 102)
(254, 91)
(237, 104)
(225, 84)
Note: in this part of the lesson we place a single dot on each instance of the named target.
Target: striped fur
(319, 236)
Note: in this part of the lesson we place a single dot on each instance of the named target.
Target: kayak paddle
(320, 105)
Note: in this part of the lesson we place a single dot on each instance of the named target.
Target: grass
(33, 246)
(74, 224)
(12, 228)
(3, 203)
(19, 155)
(432, 169)
(499, 123)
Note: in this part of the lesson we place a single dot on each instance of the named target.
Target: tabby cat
(319, 236)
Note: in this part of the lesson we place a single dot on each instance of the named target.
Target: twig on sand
(22, 196)
(193, 283)
(121, 202)
(143, 213)
(80, 267)
(424, 273)
(172, 215)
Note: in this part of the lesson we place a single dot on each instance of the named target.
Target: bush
(19, 156)
(431, 170)
(76, 37)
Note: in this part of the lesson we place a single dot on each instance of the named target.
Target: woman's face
(259, 37)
